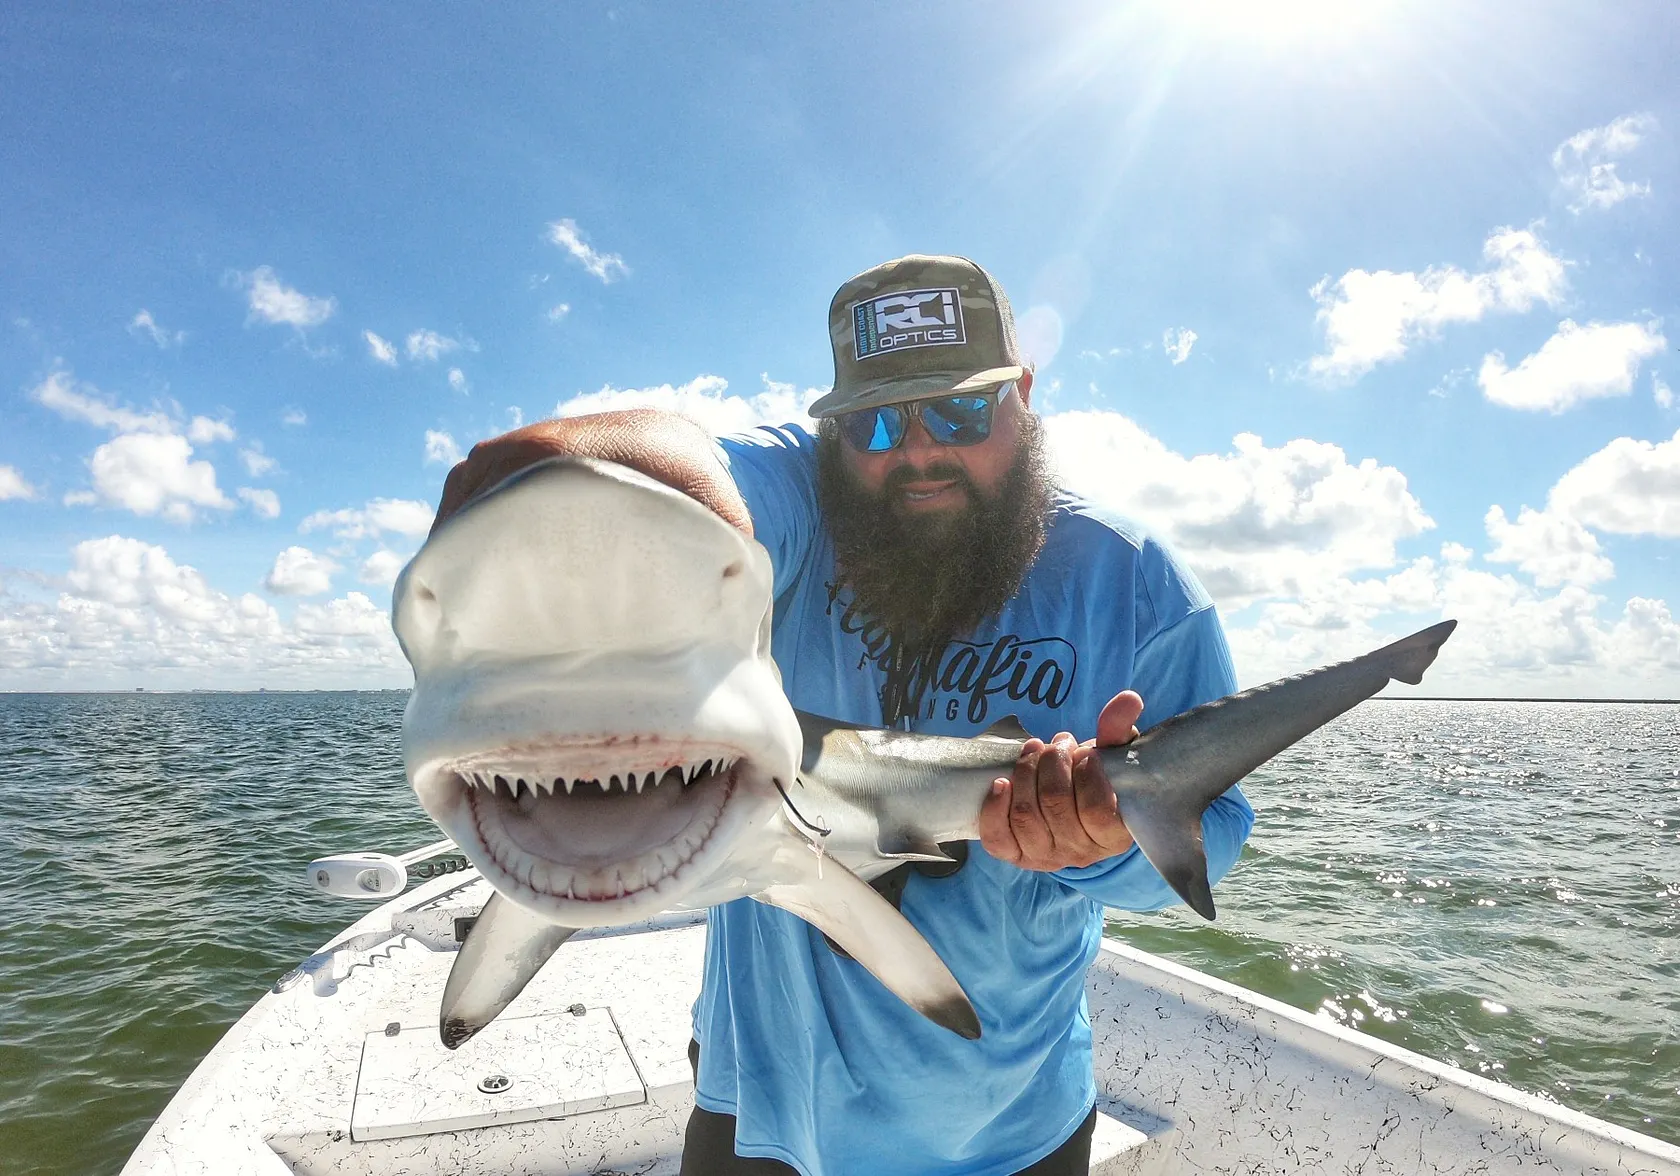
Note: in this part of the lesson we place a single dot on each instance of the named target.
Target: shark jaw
(603, 833)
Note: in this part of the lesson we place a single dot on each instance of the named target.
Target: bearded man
(930, 576)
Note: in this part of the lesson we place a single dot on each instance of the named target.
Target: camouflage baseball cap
(918, 327)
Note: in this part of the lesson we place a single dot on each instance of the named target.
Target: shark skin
(597, 722)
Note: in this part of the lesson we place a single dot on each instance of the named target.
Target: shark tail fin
(1409, 657)
(1166, 778)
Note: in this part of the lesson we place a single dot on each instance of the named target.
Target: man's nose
(918, 447)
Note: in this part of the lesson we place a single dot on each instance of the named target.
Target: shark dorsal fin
(1009, 727)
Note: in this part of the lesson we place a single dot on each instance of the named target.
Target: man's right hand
(666, 447)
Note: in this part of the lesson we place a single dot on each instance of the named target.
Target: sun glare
(1278, 22)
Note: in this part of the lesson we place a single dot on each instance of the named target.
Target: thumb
(1118, 722)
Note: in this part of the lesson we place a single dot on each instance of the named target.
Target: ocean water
(1495, 884)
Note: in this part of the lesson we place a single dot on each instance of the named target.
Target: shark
(599, 725)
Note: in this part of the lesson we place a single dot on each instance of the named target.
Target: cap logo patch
(910, 318)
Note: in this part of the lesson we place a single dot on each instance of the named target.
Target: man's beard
(928, 578)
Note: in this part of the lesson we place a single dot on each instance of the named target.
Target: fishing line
(819, 830)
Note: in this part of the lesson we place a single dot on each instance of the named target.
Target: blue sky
(1370, 310)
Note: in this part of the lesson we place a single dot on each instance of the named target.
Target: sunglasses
(950, 420)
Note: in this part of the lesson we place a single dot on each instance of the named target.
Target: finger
(1071, 844)
(455, 492)
(1099, 812)
(1026, 821)
(1118, 722)
(995, 833)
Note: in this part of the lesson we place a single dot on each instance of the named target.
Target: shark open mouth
(568, 829)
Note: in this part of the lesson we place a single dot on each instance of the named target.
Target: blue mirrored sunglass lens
(874, 430)
(958, 420)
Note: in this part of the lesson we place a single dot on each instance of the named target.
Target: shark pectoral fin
(1170, 836)
(912, 847)
(506, 947)
(850, 912)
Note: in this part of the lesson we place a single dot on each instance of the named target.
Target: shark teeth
(651, 867)
(517, 784)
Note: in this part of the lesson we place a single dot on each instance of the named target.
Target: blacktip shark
(597, 723)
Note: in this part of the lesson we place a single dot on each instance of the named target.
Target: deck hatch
(516, 1070)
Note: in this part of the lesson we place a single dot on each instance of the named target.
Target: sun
(1279, 22)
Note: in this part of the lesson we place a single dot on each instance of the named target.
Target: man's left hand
(1058, 808)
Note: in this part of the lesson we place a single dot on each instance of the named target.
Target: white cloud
(705, 400)
(1254, 523)
(131, 616)
(1661, 392)
(1586, 167)
(401, 516)
(205, 431)
(428, 345)
(152, 474)
(147, 468)
(298, 571)
(144, 326)
(256, 462)
(559, 311)
(606, 266)
(272, 301)
(382, 567)
(294, 418)
(1177, 342)
(265, 504)
(13, 485)
(381, 349)
(1628, 488)
(458, 380)
(352, 615)
(59, 392)
(1578, 363)
(1554, 548)
(441, 447)
(1647, 633)
(1372, 318)
(1512, 639)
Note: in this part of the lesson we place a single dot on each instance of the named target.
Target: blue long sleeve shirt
(823, 1067)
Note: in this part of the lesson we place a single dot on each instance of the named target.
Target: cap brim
(921, 387)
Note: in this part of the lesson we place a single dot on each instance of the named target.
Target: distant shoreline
(1516, 698)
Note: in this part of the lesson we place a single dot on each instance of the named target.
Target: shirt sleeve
(1178, 668)
(774, 468)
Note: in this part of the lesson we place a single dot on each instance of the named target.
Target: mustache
(898, 479)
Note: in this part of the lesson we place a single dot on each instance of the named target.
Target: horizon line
(396, 689)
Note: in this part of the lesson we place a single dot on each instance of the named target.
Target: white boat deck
(339, 1070)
